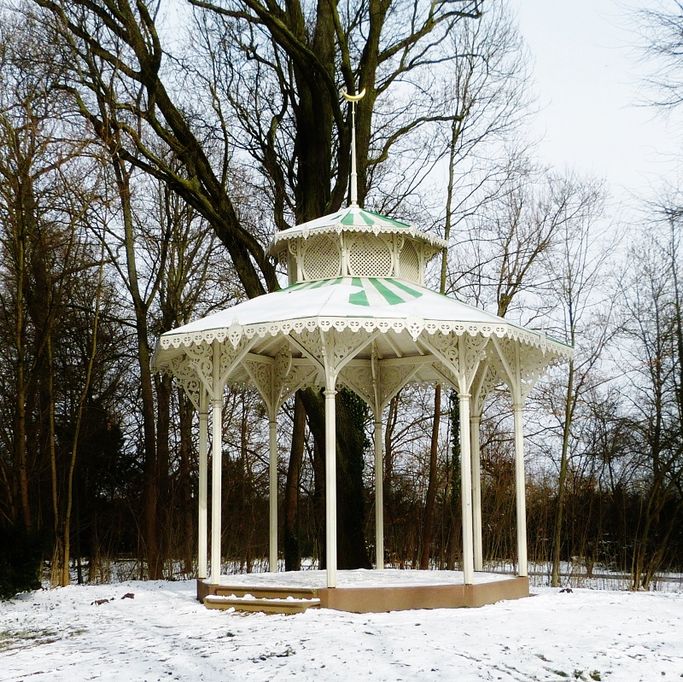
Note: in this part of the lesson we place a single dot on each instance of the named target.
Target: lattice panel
(369, 256)
(409, 263)
(322, 258)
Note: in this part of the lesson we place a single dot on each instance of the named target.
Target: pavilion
(357, 314)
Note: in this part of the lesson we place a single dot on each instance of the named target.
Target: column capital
(330, 392)
(464, 396)
(217, 402)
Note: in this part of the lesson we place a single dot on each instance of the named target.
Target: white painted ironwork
(409, 263)
(379, 494)
(322, 258)
(466, 490)
(272, 493)
(520, 495)
(202, 519)
(354, 99)
(330, 484)
(475, 421)
(216, 463)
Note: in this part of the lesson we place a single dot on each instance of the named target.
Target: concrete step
(252, 603)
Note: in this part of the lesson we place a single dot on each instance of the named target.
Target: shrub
(19, 561)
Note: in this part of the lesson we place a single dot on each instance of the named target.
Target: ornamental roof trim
(353, 219)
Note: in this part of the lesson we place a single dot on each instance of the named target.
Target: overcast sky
(589, 77)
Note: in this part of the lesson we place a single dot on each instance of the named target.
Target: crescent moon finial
(353, 98)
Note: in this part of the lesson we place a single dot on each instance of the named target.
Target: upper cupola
(354, 242)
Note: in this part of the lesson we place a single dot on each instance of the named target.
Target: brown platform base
(391, 596)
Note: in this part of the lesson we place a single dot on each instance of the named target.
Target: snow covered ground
(162, 633)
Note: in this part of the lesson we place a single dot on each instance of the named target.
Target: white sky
(589, 74)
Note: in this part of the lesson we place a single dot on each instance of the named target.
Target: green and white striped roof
(368, 292)
(382, 304)
(353, 219)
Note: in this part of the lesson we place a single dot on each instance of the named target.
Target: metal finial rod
(354, 173)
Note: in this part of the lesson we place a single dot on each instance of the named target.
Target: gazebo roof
(375, 334)
(355, 304)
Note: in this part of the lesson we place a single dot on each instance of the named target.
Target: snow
(163, 633)
(357, 578)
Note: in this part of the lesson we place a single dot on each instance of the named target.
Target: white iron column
(520, 492)
(216, 476)
(466, 489)
(379, 495)
(331, 485)
(202, 530)
(475, 421)
(272, 491)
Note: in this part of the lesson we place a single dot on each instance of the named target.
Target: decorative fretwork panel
(370, 256)
(182, 368)
(522, 366)
(486, 381)
(358, 378)
(473, 353)
(231, 353)
(261, 375)
(300, 376)
(459, 357)
(392, 379)
(409, 263)
(533, 364)
(200, 359)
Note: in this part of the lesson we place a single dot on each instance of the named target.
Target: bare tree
(653, 328)
(661, 28)
(577, 271)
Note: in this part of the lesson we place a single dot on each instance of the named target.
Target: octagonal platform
(359, 591)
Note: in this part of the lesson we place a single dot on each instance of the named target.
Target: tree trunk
(430, 502)
(351, 547)
(562, 479)
(351, 444)
(151, 484)
(20, 342)
(69, 498)
(185, 507)
(389, 505)
(291, 540)
(454, 484)
(163, 512)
